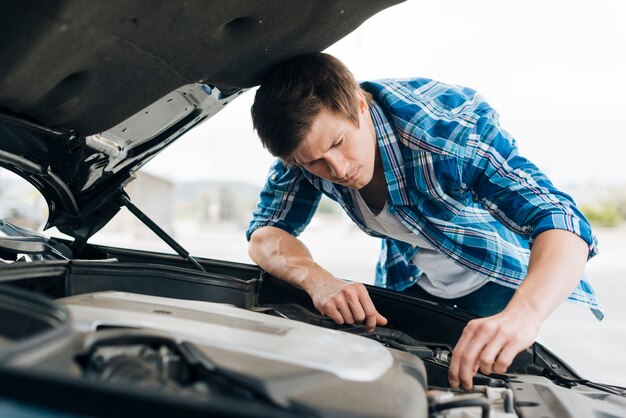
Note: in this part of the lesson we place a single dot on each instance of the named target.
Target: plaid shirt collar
(393, 163)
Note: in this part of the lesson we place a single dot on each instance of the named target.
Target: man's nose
(337, 165)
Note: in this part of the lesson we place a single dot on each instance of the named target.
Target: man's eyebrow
(306, 162)
(331, 145)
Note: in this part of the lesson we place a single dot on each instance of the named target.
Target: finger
(345, 312)
(371, 315)
(467, 373)
(488, 355)
(372, 321)
(505, 358)
(475, 337)
(333, 313)
(470, 358)
(455, 363)
(357, 310)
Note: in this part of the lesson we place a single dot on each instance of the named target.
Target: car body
(90, 93)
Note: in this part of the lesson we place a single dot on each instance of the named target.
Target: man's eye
(338, 143)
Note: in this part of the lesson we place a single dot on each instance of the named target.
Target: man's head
(311, 112)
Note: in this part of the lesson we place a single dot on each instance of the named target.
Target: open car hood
(89, 92)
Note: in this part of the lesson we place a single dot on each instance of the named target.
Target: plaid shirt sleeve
(514, 190)
(288, 201)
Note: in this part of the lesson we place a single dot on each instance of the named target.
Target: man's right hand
(287, 258)
(344, 302)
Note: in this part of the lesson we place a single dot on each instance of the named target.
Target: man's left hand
(490, 344)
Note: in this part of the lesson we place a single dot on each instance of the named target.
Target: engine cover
(316, 370)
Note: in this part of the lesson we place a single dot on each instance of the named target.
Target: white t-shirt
(441, 276)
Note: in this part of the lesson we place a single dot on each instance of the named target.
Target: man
(426, 167)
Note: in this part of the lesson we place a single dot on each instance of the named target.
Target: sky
(553, 70)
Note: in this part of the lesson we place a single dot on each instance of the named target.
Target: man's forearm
(556, 265)
(557, 261)
(287, 258)
(284, 256)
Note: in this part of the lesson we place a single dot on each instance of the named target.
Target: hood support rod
(125, 201)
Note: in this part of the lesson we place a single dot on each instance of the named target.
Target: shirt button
(411, 279)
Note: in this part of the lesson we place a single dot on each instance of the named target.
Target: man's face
(338, 151)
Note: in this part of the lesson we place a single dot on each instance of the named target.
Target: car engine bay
(280, 355)
(135, 331)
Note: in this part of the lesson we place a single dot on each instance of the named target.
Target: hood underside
(90, 91)
(87, 66)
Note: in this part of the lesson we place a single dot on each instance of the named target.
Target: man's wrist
(525, 306)
(315, 276)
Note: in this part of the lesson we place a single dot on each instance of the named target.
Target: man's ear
(363, 107)
(288, 162)
(284, 161)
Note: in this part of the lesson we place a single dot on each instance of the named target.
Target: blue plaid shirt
(453, 176)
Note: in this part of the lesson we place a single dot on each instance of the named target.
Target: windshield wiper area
(25, 245)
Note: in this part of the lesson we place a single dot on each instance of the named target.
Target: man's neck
(375, 192)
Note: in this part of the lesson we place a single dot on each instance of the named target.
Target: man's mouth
(351, 178)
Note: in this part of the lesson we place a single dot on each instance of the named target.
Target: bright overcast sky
(554, 70)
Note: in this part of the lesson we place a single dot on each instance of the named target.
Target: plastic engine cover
(323, 372)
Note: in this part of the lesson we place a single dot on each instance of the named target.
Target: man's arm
(287, 258)
(557, 260)
(520, 196)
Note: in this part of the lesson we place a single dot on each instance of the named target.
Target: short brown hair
(294, 93)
